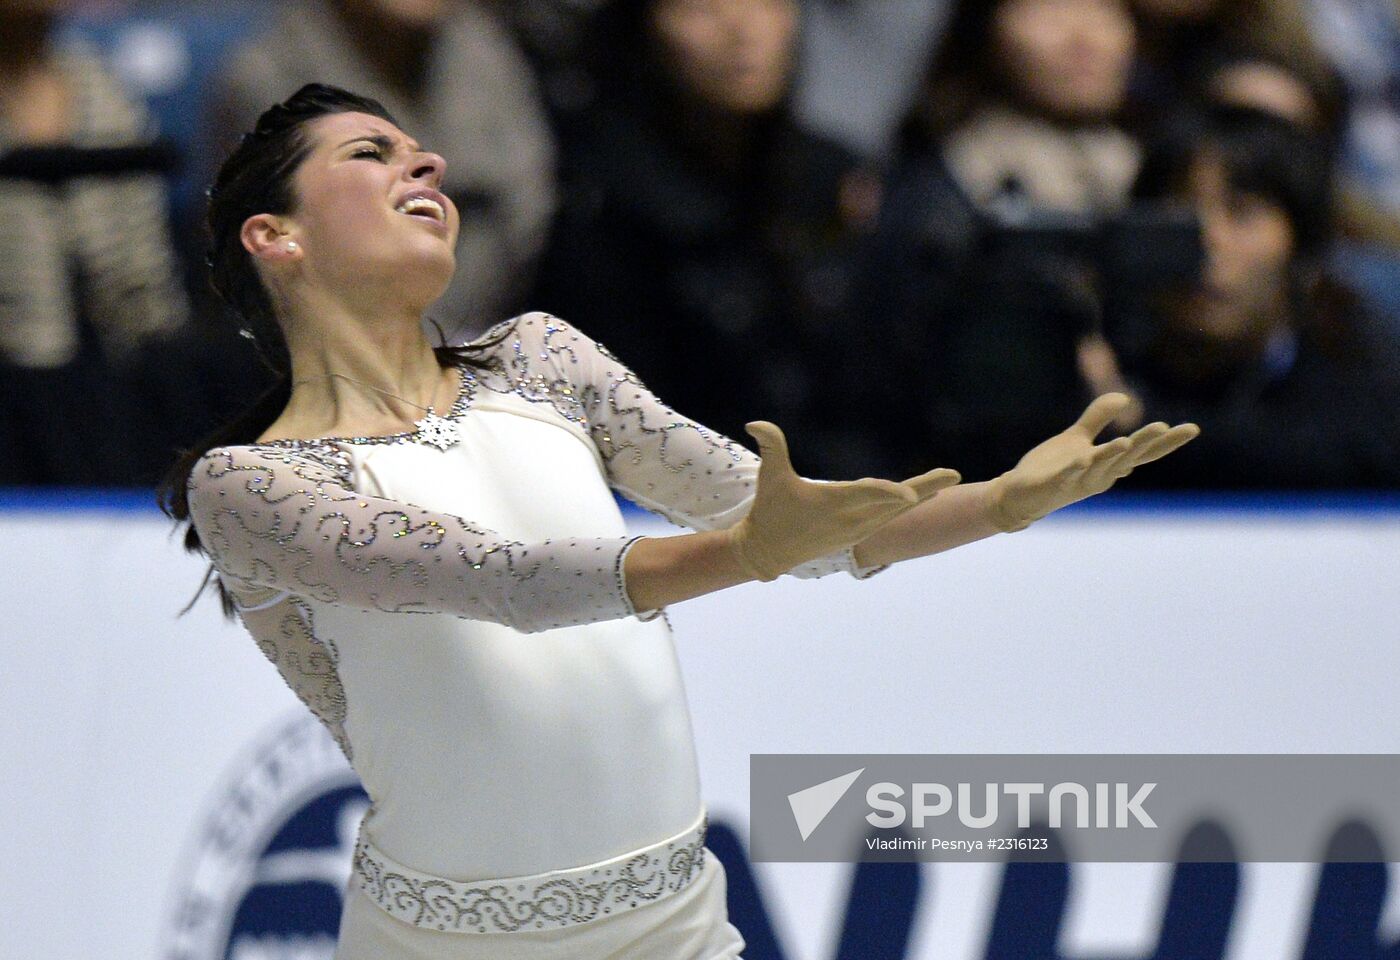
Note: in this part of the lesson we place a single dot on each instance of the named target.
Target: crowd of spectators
(912, 233)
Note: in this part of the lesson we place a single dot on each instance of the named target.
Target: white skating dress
(451, 605)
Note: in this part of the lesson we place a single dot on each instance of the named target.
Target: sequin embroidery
(559, 898)
(308, 664)
(273, 517)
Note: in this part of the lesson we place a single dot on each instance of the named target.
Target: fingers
(1170, 440)
(1127, 449)
(1142, 435)
(1106, 465)
(1105, 452)
(1103, 411)
(926, 485)
(876, 492)
(1146, 444)
(1116, 460)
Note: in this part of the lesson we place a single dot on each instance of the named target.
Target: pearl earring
(291, 245)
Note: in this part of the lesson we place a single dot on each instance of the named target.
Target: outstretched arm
(956, 516)
(285, 520)
(1064, 469)
(790, 520)
(669, 463)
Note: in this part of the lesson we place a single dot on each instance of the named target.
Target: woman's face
(1249, 245)
(349, 222)
(1067, 58)
(735, 55)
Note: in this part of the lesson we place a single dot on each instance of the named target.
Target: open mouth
(423, 208)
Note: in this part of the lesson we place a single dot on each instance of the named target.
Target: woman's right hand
(793, 519)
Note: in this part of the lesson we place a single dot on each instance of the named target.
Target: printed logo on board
(265, 876)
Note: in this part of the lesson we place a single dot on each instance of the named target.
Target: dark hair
(1270, 157)
(961, 76)
(257, 178)
(617, 50)
(958, 78)
(1262, 154)
(621, 54)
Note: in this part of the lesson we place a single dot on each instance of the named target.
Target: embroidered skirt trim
(559, 898)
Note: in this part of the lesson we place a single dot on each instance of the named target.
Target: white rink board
(1103, 632)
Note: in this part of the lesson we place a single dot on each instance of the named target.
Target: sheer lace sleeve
(654, 456)
(275, 518)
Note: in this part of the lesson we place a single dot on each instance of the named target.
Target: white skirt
(692, 924)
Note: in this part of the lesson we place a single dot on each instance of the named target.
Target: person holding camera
(1295, 382)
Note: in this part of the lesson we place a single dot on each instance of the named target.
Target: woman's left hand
(1070, 467)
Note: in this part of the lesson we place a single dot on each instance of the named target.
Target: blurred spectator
(1013, 138)
(1293, 383)
(1368, 248)
(703, 234)
(451, 73)
(1263, 53)
(89, 289)
(1181, 41)
(1022, 95)
(165, 53)
(1363, 39)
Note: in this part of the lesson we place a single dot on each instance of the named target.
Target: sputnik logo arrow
(810, 806)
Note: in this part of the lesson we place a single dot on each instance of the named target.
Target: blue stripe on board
(76, 499)
(89, 499)
(1290, 503)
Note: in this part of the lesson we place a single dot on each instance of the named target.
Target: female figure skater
(425, 542)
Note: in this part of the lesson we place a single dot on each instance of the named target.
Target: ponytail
(173, 493)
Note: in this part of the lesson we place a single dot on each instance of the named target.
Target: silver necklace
(432, 429)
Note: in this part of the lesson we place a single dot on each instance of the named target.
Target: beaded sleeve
(283, 519)
(654, 456)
